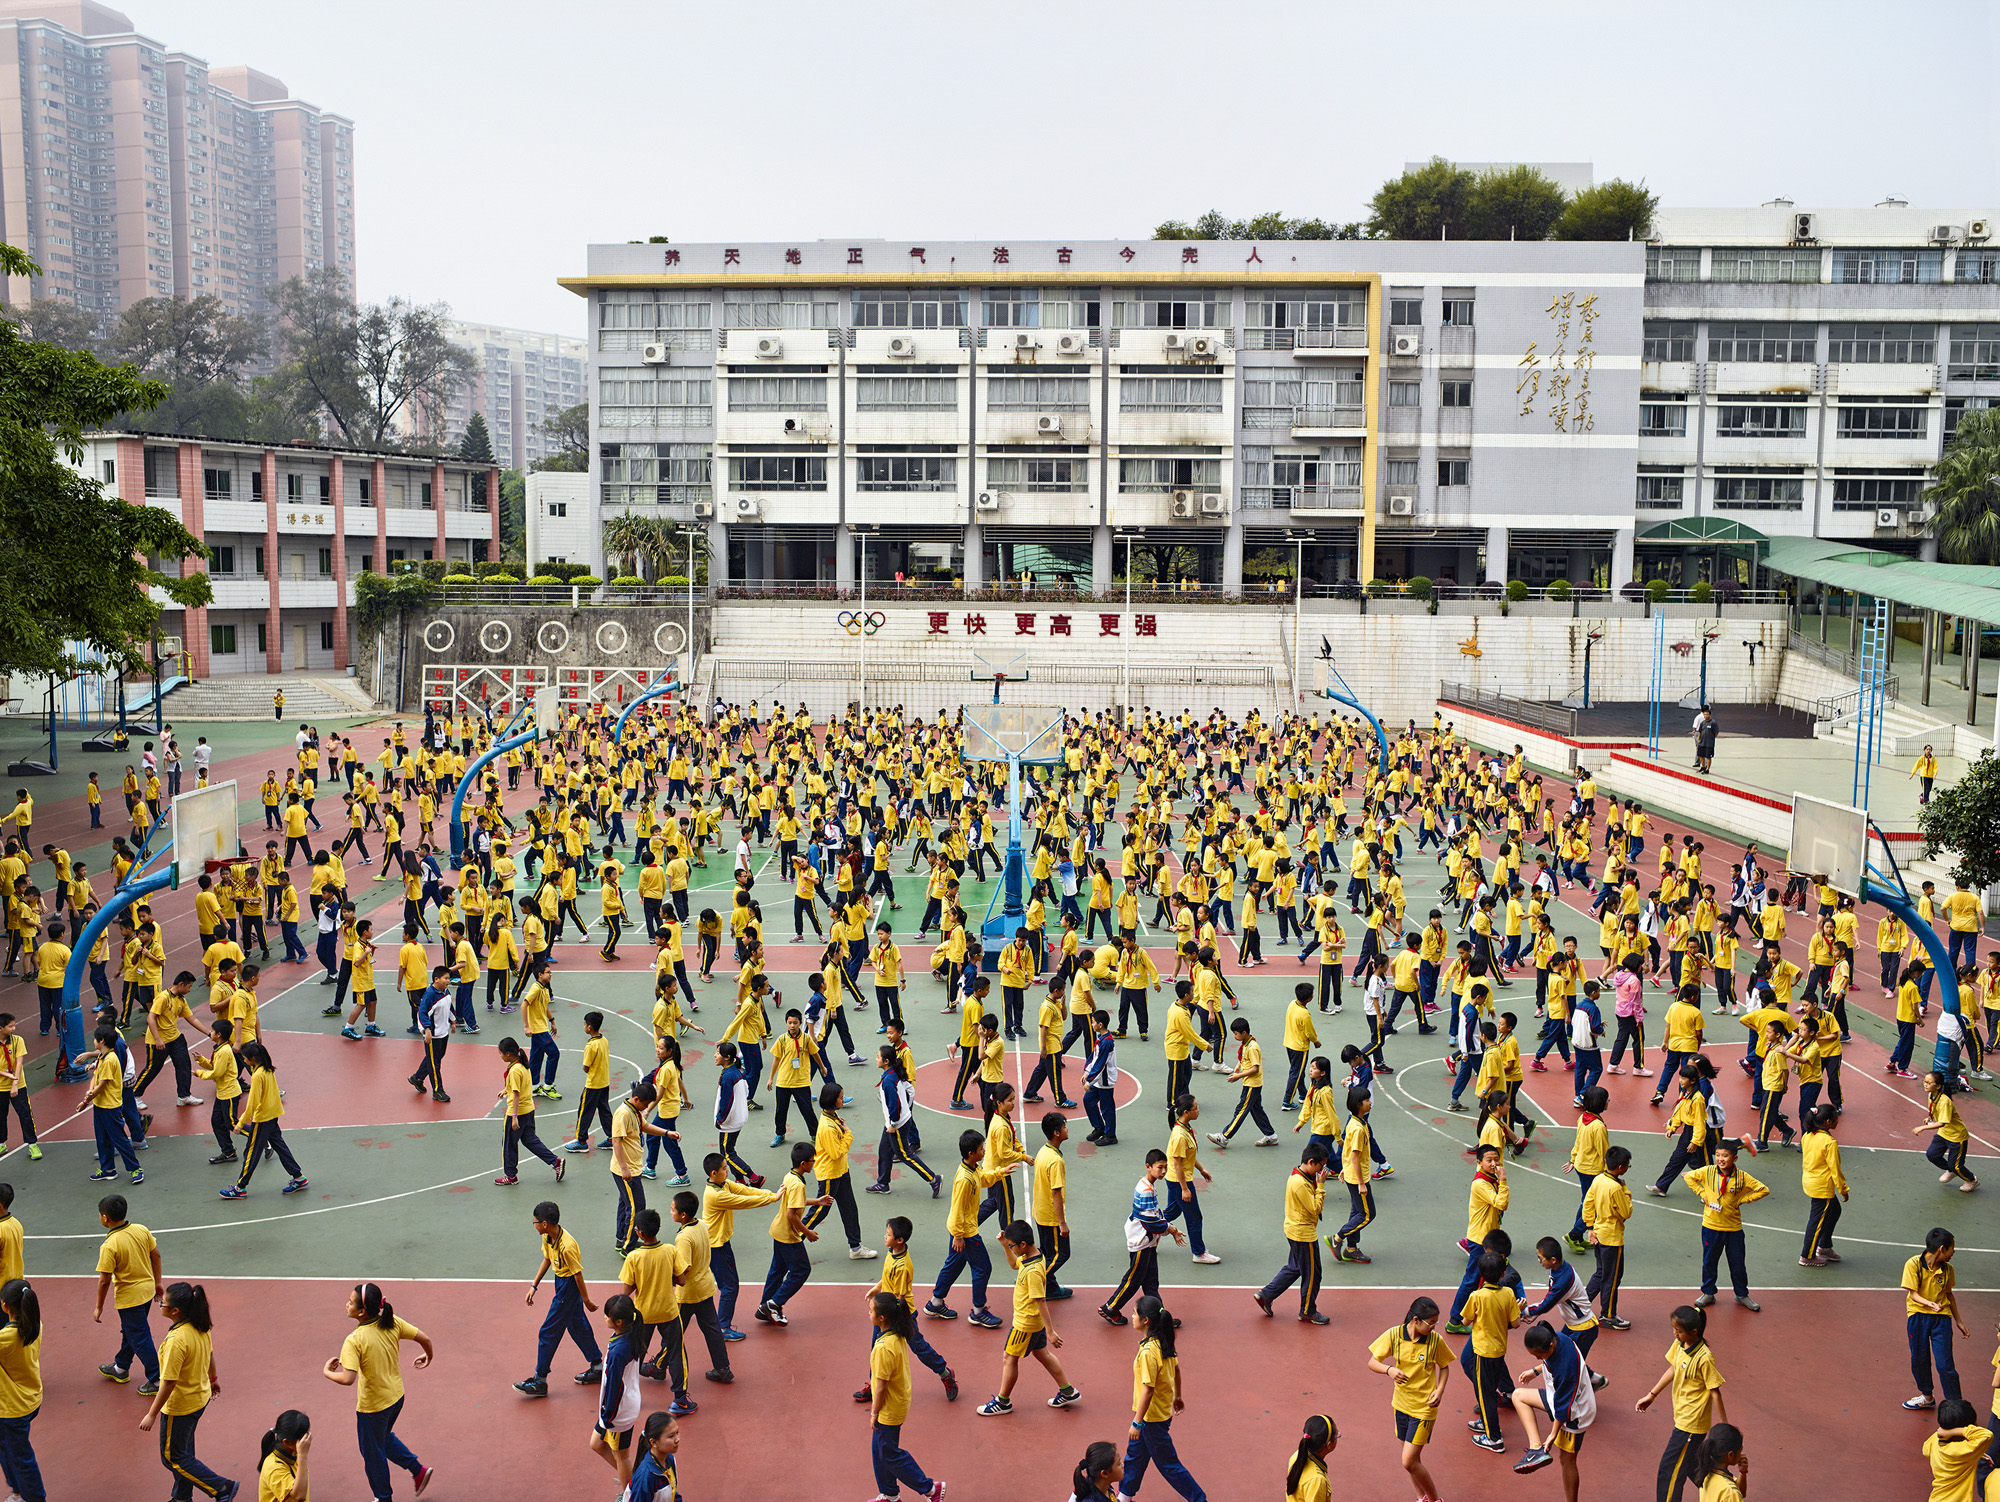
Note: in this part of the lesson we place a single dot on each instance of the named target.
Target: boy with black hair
(967, 1248)
(1143, 1230)
(1249, 1073)
(898, 1280)
(1305, 1200)
(790, 1266)
(1491, 1311)
(564, 1258)
(1567, 1296)
(1034, 1333)
(1051, 1200)
(1606, 1208)
(721, 1198)
(1100, 1081)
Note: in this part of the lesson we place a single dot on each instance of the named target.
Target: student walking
(1418, 1363)
(790, 1266)
(1491, 1311)
(128, 1269)
(188, 1381)
(899, 1129)
(1697, 1403)
(889, 1402)
(898, 1279)
(1034, 1332)
(258, 1121)
(1157, 1396)
(1143, 1229)
(20, 1388)
(1824, 1184)
(1305, 1200)
(517, 1095)
(1931, 1309)
(371, 1362)
(1605, 1210)
(563, 1258)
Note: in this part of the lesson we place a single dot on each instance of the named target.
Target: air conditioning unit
(1204, 346)
(770, 348)
(1048, 425)
(1406, 344)
(1943, 234)
(1402, 505)
(745, 506)
(903, 347)
(1802, 227)
(1174, 341)
(1888, 516)
(1072, 344)
(1024, 341)
(704, 511)
(986, 500)
(795, 427)
(1213, 504)
(1184, 504)
(654, 354)
(1979, 229)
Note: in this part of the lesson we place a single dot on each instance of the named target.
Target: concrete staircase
(1906, 729)
(249, 698)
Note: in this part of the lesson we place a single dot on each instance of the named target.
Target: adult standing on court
(370, 1362)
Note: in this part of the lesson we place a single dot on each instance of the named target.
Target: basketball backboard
(1009, 667)
(548, 710)
(205, 828)
(1829, 840)
(1030, 732)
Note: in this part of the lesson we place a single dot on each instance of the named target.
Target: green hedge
(546, 581)
(1558, 589)
(1419, 587)
(460, 579)
(628, 581)
(1517, 589)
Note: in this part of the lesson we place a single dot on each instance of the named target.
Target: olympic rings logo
(854, 623)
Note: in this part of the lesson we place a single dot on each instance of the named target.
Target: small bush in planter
(1419, 587)
(1558, 589)
(1729, 592)
(1635, 591)
(628, 581)
(1702, 592)
(585, 581)
(1380, 587)
(489, 570)
(1517, 589)
(502, 579)
(1347, 589)
(458, 579)
(433, 569)
(546, 581)
(1657, 589)
(673, 581)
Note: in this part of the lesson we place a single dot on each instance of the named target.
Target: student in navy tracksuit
(1564, 1396)
(1100, 1083)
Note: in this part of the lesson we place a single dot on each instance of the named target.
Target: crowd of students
(838, 804)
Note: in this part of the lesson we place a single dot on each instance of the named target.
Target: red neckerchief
(1588, 1118)
(1483, 1174)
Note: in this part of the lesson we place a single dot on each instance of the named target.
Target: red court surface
(789, 1427)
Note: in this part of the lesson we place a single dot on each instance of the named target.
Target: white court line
(1642, 1200)
(230, 1225)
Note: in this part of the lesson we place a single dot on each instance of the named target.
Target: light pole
(861, 531)
(690, 533)
(1298, 612)
(1128, 538)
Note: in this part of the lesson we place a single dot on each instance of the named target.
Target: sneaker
(950, 1380)
(861, 1254)
(1206, 1259)
(1111, 1316)
(1268, 1140)
(424, 1475)
(101, 1175)
(534, 1387)
(721, 1377)
(1749, 1303)
(1458, 1327)
(188, 1100)
(936, 1493)
(1355, 1254)
(148, 1389)
(1065, 1397)
(576, 1147)
(1314, 1317)
(1704, 1301)
(371, 1031)
(1598, 1381)
(1534, 1460)
(34, 1153)
(864, 1394)
(994, 1408)
(776, 1315)
(1384, 1171)
(1923, 1402)
(561, 1168)
(938, 1309)
(1491, 1442)
(682, 1407)
(1614, 1322)
(115, 1374)
(591, 1375)
(1221, 1142)
(508, 1178)
(877, 1189)
(223, 1158)
(295, 1185)
(351, 1032)
(732, 1334)
(233, 1193)
(138, 1175)
(986, 1319)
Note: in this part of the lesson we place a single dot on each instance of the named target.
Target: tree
(1966, 491)
(1964, 818)
(1616, 210)
(1513, 203)
(365, 369)
(1427, 203)
(74, 567)
(185, 342)
(476, 444)
(58, 321)
(569, 430)
(1270, 226)
(513, 516)
(626, 538)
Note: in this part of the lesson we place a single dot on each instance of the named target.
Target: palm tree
(1966, 491)
(627, 536)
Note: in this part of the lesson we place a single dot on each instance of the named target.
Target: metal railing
(1840, 706)
(1326, 417)
(1530, 712)
(1343, 498)
(1347, 337)
(1841, 661)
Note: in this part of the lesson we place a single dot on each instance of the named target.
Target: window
(1458, 310)
(1765, 343)
(1319, 310)
(1792, 264)
(1163, 474)
(1883, 422)
(1454, 472)
(882, 309)
(1189, 310)
(1761, 421)
(1668, 341)
(215, 484)
(326, 563)
(640, 399)
(650, 309)
(258, 555)
(641, 473)
(221, 640)
(1403, 393)
(916, 472)
(424, 496)
(1038, 394)
(1674, 263)
(779, 308)
(778, 472)
(1977, 266)
(1056, 475)
(262, 640)
(1753, 490)
(110, 468)
(1852, 492)
(1660, 492)
(295, 487)
(900, 394)
(1956, 407)
(1975, 352)
(222, 561)
(1169, 394)
(326, 636)
(1406, 311)
(326, 488)
(257, 484)
(365, 494)
(778, 393)
(1893, 265)
(1276, 391)
(1454, 393)
(558, 508)
(1402, 472)
(1882, 343)
(1012, 308)
(1662, 420)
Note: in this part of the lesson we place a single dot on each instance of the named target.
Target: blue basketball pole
(74, 1035)
(665, 686)
(498, 748)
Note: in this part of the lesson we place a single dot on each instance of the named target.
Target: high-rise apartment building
(130, 171)
(522, 379)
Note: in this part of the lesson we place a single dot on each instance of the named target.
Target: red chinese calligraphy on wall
(1024, 623)
(854, 255)
(1000, 255)
(673, 258)
(1128, 252)
(1107, 625)
(1059, 625)
(1145, 625)
(940, 623)
(732, 257)
(1062, 255)
(1189, 255)
(975, 625)
(791, 258)
(917, 254)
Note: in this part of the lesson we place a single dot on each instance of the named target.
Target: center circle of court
(935, 1077)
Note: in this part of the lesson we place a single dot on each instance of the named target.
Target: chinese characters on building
(1567, 365)
(976, 623)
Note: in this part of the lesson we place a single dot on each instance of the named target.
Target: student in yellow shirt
(1418, 1363)
(370, 1362)
(1034, 1332)
(220, 1065)
(889, 1400)
(1306, 1478)
(1723, 1190)
(106, 1102)
(258, 1121)
(188, 1380)
(790, 1266)
(596, 1101)
(1305, 1200)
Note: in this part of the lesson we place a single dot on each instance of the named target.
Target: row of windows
(1906, 265)
(1450, 393)
(1784, 420)
(1783, 492)
(1974, 347)
(219, 485)
(222, 638)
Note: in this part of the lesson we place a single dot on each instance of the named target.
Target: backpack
(1717, 1113)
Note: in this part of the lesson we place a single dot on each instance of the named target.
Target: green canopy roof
(1708, 529)
(1959, 589)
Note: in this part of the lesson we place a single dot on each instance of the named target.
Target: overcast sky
(495, 141)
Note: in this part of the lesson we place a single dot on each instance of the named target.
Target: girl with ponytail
(188, 1380)
(1097, 1474)
(1418, 1363)
(281, 1467)
(1306, 1480)
(21, 1384)
(1723, 1471)
(1156, 1383)
(371, 1362)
